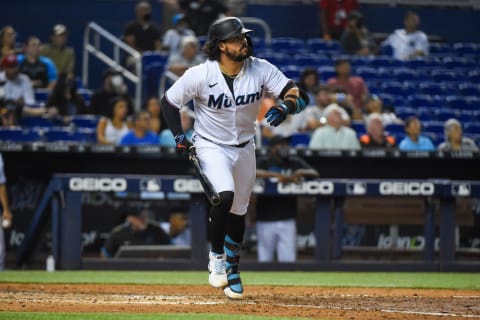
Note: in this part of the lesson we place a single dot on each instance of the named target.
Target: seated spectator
(137, 230)
(334, 135)
(154, 109)
(7, 41)
(454, 139)
(275, 216)
(166, 138)
(111, 129)
(143, 34)
(408, 43)
(376, 137)
(352, 85)
(314, 114)
(140, 133)
(41, 70)
(172, 40)
(177, 227)
(308, 82)
(200, 14)
(188, 57)
(113, 88)
(375, 105)
(62, 56)
(19, 98)
(414, 141)
(333, 16)
(65, 97)
(356, 39)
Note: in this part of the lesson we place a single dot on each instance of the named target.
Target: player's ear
(221, 46)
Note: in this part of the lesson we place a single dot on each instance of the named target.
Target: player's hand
(184, 146)
(276, 114)
(6, 219)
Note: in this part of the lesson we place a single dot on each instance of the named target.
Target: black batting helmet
(226, 28)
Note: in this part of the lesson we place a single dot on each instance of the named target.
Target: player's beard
(237, 56)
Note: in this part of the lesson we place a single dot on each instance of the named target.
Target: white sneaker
(216, 267)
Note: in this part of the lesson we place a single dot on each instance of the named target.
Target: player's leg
(287, 244)
(244, 171)
(2, 247)
(265, 241)
(217, 167)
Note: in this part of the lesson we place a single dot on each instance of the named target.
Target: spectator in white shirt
(172, 40)
(408, 43)
(188, 57)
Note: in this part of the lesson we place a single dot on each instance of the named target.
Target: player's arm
(172, 116)
(294, 101)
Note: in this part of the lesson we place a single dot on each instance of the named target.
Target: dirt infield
(308, 302)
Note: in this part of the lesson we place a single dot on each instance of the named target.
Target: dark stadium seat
(320, 45)
(292, 71)
(395, 128)
(40, 121)
(19, 135)
(405, 112)
(433, 88)
(466, 49)
(407, 75)
(446, 76)
(357, 61)
(41, 95)
(472, 128)
(300, 139)
(433, 127)
(445, 114)
(397, 88)
(388, 99)
(258, 43)
(276, 58)
(467, 89)
(153, 58)
(288, 45)
(458, 62)
(440, 49)
(326, 72)
(421, 100)
(368, 73)
(474, 75)
(64, 134)
(386, 62)
(311, 60)
(85, 121)
(358, 126)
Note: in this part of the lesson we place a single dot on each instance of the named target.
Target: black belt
(240, 145)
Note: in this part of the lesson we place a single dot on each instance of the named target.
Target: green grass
(324, 279)
(123, 316)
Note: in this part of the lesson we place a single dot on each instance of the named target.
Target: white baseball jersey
(404, 44)
(223, 117)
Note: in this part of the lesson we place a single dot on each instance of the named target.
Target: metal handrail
(167, 75)
(95, 49)
(261, 23)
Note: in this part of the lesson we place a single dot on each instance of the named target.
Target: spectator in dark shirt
(113, 88)
(309, 81)
(143, 34)
(201, 13)
(333, 16)
(376, 137)
(353, 85)
(7, 41)
(356, 39)
(275, 216)
(65, 97)
(41, 70)
(137, 230)
(140, 134)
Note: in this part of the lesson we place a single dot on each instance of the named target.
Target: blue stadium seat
(85, 121)
(388, 99)
(405, 74)
(386, 62)
(368, 73)
(386, 50)
(86, 95)
(326, 72)
(19, 135)
(89, 134)
(433, 127)
(41, 95)
(322, 46)
(311, 60)
(395, 128)
(359, 126)
(357, 62)
(458, 62)
(64, 134)
(300, 140)
(456, 102)
(40, 121)
(420, 100)
(397, 88)
(474, 76)
(466, 49)
(472, 128)
(446, 76)
(150, 58)
(288, 45)
(469, 89)
(432, 88)
(440, 49)
(292, 71)
(405, 112)
(276, 58)
(445, 114)
(258, 43)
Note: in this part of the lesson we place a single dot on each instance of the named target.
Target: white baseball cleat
(216, 267)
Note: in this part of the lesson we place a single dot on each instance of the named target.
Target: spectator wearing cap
(409, 42)
(188, 57)
(140, 134)
(333, 16)
(375, 138)
(353, 85)
(19, 98)
(62, 56)
(454, 139)
(275, 217)
(356, 39)
(41, 70)
(314, 114)
(113, 88)
(334, 135)
(172, 40)
(137, 229)
(414, 141)
(375, 105)
(187, 116)
(143, 34)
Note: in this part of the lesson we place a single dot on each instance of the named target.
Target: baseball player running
(226, 91)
